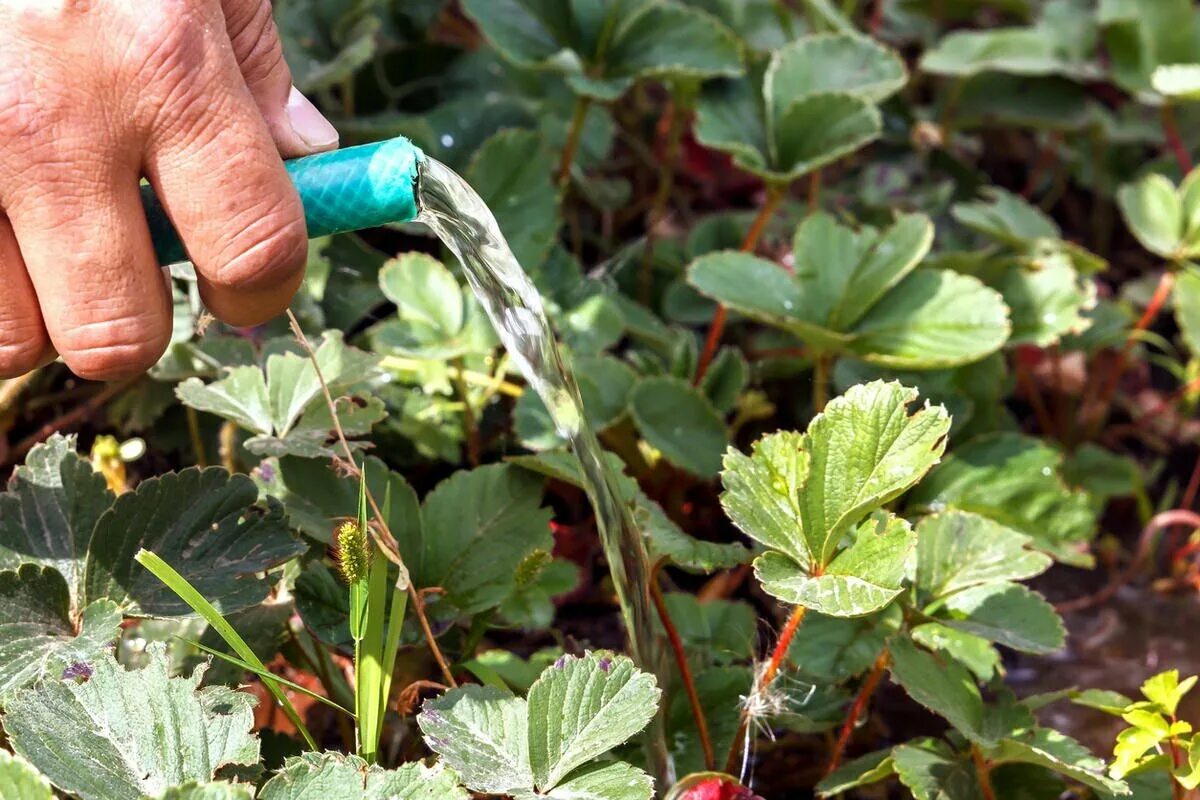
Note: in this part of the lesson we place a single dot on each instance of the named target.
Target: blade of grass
(266, 675)
(368, 680)
(359, 597)
(188, 594)
(391, 641)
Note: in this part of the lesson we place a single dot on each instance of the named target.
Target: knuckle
(21, 350)
(20, 115)
(268, 246)
(114, 348)
(256, 44)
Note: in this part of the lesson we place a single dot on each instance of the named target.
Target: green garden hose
(344, 190)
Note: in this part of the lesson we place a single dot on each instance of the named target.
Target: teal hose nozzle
(343, 190)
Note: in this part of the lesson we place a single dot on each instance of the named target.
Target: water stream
(460, 218)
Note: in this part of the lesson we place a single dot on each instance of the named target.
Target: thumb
(296, 125)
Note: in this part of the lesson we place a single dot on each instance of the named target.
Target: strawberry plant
(887, 316)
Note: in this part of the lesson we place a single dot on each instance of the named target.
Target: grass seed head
(352, 550)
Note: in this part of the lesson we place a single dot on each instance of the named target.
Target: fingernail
(309, 124)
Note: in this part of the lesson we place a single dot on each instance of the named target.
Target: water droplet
(447, 140)
(788, 304)
(1046, 471)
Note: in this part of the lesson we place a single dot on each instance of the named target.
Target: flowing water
(460, 218)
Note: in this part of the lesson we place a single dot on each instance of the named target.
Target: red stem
(717, 326)
(1158, 522)
(685, 671)
(778, 655)
(983, 771)
(1174, 140)
(860, 705)
(1104, 399)
(1030, 389)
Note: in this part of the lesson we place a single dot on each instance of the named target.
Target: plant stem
(193, 426)
(820, 394)
(1174, 141)
(227, 445)
(983, 771)
(1158, 522)
(1029, 387)
(469, 425)
(11, 389)
(71, 418)
(1104, 398)
(814, 191)
(778, 655)
(493, 383)
(677, 112)
(685, 671)
(717, 326)
(387, 541)
(574, 135)
(860, 705)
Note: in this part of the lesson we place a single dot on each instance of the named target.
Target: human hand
(94, 94)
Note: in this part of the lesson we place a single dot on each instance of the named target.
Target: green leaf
(1166, 690)
(512, 173)
(219, 790)
(615, 781)
(1015, 51)
(866, 450)
(604, 386)
(334, 776)
(1187, 307)
(202, 521)
(941, 685)
(1007, 218)
(762, 492)
(477, 526)
(679, 421)
(853, 292)
(325, 43)
(274, 402)
(49, 511)
(933, 319)
(1062, 754)
(1177, 81)
(801, 494)
(131, 733)
(316, 497)
(1162, 218)
(483, 734)
(641, 39)
(829, 63)
(664, 538)
(862, 771)
(817, 130)
(240, 396)
(20, 780)
(832, 649)
(933, 771)
(201, 606)
(794, 117)
(581, 708)
(843, 273)
(669, 39)
(427, 295)
(1007, 614)
(38, 633)
(1047, 302)
(712, 630)
(1014, 480)
(957, 550)
(719, 689)
(860, 580)
(973, 652)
